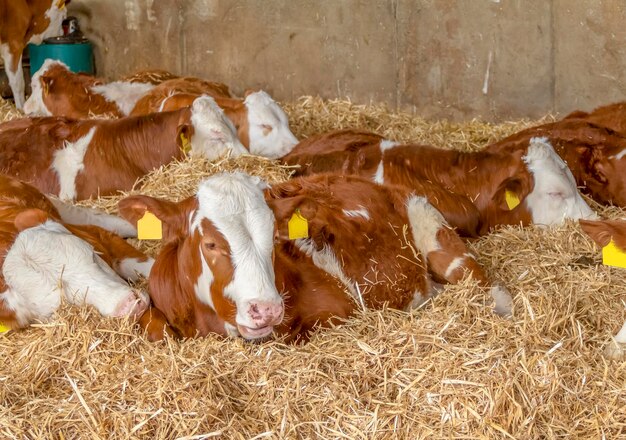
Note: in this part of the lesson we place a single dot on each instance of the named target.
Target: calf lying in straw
(528, 185)
(45, 260)
(309, 251)
(611, 236)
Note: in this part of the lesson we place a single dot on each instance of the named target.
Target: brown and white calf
(78, 159)
(602, 232)
(537, 183)
(46, 261)
(596, 155)
(227, 265)
(262, 125)
(23, 22)
(57, 91)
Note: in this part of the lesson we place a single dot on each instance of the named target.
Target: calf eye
(209, 246)
(266, 129)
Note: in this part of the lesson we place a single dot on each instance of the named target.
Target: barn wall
(458, 59)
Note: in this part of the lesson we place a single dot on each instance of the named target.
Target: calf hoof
(134, 305)
(615, 350)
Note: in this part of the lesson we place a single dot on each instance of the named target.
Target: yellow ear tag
(4, 328)
(511, 199)
(149, 227)
(186, 143)
(613, 256)
(298, 226)
(61, 4)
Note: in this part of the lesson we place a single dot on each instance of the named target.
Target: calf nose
(264, 313)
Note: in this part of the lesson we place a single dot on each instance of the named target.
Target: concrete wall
(458, 59)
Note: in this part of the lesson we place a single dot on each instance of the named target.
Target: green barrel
(78, 56)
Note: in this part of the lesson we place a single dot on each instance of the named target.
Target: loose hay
(450, 369)
(8, 111)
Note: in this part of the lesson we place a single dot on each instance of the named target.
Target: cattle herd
(365, 221)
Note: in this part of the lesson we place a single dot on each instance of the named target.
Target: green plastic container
(77, 56)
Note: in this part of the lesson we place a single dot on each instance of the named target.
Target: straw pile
(450, 369)
(8, 111)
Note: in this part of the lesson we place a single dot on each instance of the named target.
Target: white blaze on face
(214, 134)
(268, 127)
(555, 196)
(235, 205)
(68, 162)
(34, 105)
(47, 262)
(379, 176)
(124, 94)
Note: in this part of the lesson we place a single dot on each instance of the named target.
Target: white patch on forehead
(619, 155)
(387, 145)
(328, 262)
(34, 105)
(124, 94)
(555, 196)
(214, 134)
(268, 127)
(68, 162)
(454, 265)
(361, 212)
(425, 221)
(46, 263)
(235, 205)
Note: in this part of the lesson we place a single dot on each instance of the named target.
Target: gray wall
(456, 59)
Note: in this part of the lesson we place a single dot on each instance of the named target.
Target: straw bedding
(450, 369)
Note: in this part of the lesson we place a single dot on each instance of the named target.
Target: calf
(602, 233)
(528, 185)
(228, 267)
(596, 155)
(45, 261)
(611, 116)
(23, 22)
(81, 159)
(56, 91)
(262, 125)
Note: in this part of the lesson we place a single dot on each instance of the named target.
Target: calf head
(268, 127)
(210, 132)
(603, 171)
(554, 196)
(48, 78)
(223, 240)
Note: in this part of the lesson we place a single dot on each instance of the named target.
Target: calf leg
(617, 347)
(154, 323)
(12, 57)
(446, 255)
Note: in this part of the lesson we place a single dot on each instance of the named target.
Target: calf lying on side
(44, 260)
(228, 267)
(262, 125)
(528, 185)
(603, 232)
(57, 91)
(81, 159)
(596, 155)
(612, 116)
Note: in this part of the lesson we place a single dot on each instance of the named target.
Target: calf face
(220, 252)
(554, 196)
(268, 126)
(211, 133)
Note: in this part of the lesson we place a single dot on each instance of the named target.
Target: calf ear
(285, 208)
(183, 137)
(592, 161)
(30, 218)
(511, 192)
(599, 231)
(172, 215)
(46, 83)
(249, 92)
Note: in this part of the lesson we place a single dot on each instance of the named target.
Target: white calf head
(35, 105)
(213, 133)
(224, 241)
(555, 196)
(268, 127)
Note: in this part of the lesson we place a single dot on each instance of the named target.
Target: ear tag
(61, 4)
(512, 200)
(298, 226)
(613, 256)
(4, 328)
(149, 227)
(46, 89)
(186, 143)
